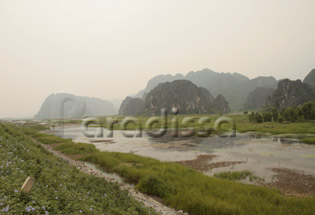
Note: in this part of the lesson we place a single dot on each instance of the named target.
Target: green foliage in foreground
(59, 188)
(309, 140)
(186, 189)
(71, 148)
(42, 137)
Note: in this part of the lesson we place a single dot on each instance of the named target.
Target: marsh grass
(71, 148)
(239, 175)
(308, 140)
(234, 176)
(187, 189)
(241, 120)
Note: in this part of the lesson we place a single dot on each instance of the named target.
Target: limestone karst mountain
(185, 96)
(64, 105)
(291, 93)
(257, 99)
(131, 106)
(234, 87)
(310, 78)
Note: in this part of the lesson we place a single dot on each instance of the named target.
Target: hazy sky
(110, 49)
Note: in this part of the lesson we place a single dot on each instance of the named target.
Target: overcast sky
(110, 49)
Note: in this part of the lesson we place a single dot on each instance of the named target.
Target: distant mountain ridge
(310, 78)
(186, 97)
(234, 87)
(65, 105)
(131, 106)
(291, 93)
(256, 100)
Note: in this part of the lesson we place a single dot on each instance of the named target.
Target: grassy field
(59, 188)
(241, 120)
(186, 189)
(243, 125)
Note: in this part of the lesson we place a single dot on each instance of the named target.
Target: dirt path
(148, 201)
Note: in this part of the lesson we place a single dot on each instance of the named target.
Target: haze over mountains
(234, 87)
(203, 91)
(65, 105)
(183, 95)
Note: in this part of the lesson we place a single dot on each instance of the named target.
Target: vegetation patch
(308, 140)
(189, 190)
(237, 176)
(234, 176)
(186, 189)
(59, 188)
(71, 148)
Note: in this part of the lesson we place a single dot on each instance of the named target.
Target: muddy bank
(256, 152)
(294, 182)
(288, 181)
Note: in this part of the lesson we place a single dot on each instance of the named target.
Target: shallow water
(259, 152)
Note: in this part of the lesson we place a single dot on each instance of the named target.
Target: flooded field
(278, 160)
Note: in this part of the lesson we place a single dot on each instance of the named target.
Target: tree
(267, 116)
(259, 118)
(280, 119)
(251, 117)
(308, 110)
(275, 114)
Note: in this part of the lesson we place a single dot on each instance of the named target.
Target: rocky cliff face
(310, 78)
(257, 99)
(63, 105)
(123, 105)
(234, 87)
(183, 95)
(132, 107)
(291, 93)
(220, 105)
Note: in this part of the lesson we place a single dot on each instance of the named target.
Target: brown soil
(293, 182)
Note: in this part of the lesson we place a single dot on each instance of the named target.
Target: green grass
(237, 176)
(186, 189)
(242, 124)
(71, 148)
(234, 176)
(59, 188)
(308, 140)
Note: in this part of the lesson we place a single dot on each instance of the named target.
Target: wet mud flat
(282, 161)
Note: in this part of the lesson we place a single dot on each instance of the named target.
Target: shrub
(252, 117)
(258, 118)
(267, 117)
